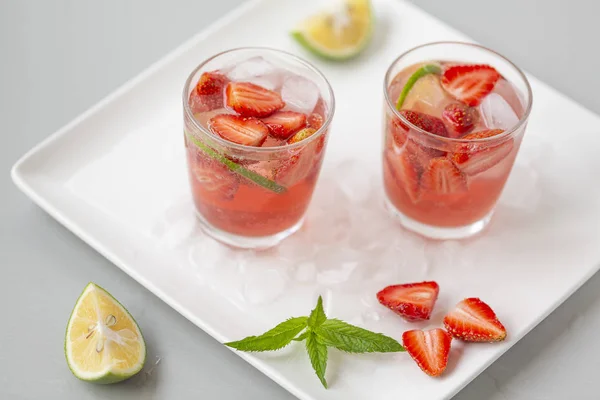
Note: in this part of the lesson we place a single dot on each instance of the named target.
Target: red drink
(452, 131)
(256, 133)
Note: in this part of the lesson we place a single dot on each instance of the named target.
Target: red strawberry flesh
(473, 320)
(405, 173)
(470, 83)
(250, 100)
(460, 118)
(412, 301)
(474, 158)
(424, 121)
(429, 349)
(211, 83)
(240, 130)
(283, 124)
(315, 121)
(443, 177)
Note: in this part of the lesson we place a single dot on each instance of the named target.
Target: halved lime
(339, 34)
(103, 343)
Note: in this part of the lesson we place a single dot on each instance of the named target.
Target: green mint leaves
(275, 339)
(319, 333)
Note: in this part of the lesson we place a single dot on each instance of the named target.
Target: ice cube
(497, 113)
(300, 94)
(427, 96)
(257, 70)
(208, 254)
(305, 272)
(264, 287)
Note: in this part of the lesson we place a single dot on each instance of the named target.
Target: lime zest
(418, 74)
(246, 173)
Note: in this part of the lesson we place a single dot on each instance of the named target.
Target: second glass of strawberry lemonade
(455, 115)
(256, 126)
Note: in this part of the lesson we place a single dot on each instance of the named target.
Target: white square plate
(116, 177)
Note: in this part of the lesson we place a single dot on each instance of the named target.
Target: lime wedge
(246, 173)
(418, 74)
(340, 34)
(103, 343)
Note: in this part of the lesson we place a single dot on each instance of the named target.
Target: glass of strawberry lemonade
(455, 115)
(256, 124)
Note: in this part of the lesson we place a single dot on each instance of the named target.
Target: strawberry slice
(211, 83)
(250, 100)
(474, 321)
(315, 121)
(200, 104)
(429, 349)
(424, 121)
(470, 83)
(240, 130)
(412, 301)
(460, 118)
(214, 179)
(283, 124)
(303, 134)
(443, 177)
(405, 172)
(398, 130)
(421, 155)
(474, 158)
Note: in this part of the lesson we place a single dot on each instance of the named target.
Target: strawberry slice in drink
(442, 177)
(460, 118)
(424, 121)
(429, 349)
(473, 320)
(419, 154)
(470, 83)
(214, 179)
(284, 124)
(474, 158)
(208, 93)
(211, 83)
(240, 130)
(250, 100)
(412, 301)
(404, 172)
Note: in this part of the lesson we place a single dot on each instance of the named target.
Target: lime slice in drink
(339, 34)
(103, 343)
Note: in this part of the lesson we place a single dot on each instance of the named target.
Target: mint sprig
(320, 333)
(275, 339)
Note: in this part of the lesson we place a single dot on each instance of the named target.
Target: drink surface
(265, 187)
(434, 179)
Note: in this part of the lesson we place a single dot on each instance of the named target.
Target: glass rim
(506, 133)
(232, 145)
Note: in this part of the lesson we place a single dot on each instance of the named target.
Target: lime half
(103, 343)
(339, 34)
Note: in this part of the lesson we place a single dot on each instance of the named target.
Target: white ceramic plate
(116, 177)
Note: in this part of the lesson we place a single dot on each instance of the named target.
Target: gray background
(60, 57)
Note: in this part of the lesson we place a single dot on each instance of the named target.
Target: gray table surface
(60, 57)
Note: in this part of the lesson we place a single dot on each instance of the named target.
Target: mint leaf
(317, 352)
(275, 339)
(302, 336)
(352, 339)
(418, 74)
(237, 168)
(317, 316)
